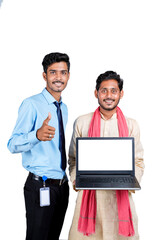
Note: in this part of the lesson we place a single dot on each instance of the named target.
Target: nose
(109, 93)
(58, 75)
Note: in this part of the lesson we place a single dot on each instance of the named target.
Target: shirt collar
(49, 98)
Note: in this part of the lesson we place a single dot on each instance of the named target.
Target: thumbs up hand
(46, 121)
(46, 132)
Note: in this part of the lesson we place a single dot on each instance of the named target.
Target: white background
(119, 35)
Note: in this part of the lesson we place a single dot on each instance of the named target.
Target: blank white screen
(104, 154)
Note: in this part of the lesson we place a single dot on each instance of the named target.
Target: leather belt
(49, 180)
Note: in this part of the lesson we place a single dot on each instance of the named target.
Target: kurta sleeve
(72, 152)
(139, 162)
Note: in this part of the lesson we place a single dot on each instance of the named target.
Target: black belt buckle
(36, 177)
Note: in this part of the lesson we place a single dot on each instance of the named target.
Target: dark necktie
(61, 136)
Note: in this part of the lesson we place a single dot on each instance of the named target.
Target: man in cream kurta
(107, 213)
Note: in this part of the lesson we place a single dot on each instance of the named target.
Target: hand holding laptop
(74, 186)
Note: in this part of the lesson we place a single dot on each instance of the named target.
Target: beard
(54, 87)
(108, 108)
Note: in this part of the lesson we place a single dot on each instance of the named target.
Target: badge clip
(44, 179)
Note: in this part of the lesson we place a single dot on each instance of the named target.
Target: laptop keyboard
(107, 180)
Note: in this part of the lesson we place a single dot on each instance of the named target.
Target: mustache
(58, 82)
(109, 99)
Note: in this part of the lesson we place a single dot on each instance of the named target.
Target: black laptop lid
(105, 155)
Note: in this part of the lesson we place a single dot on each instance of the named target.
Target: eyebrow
(54, 70)
(109, 88)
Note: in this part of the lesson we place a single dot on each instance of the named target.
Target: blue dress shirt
(38, 157)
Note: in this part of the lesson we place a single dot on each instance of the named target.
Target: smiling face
(108, 96)
(56, 78)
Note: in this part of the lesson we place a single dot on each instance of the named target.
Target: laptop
(105, 163)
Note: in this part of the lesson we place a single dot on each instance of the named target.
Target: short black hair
(107, 76)
(53, 58)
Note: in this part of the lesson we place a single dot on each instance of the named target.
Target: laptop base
(108, 183)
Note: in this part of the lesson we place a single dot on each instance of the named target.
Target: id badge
(44, 196)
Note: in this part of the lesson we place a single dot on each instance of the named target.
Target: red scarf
(87, 218)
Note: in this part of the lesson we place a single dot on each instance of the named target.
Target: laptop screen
(105, 154)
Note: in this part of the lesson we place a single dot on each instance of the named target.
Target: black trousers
(45, 223)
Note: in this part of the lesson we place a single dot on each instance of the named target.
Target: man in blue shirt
(39, 136)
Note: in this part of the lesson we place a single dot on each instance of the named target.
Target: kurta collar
(114, 116)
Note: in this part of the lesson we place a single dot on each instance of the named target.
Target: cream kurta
(107, 215)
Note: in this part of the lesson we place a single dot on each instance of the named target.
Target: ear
(96, 93)
(68, 75)
(44, 76)
(121, 94)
